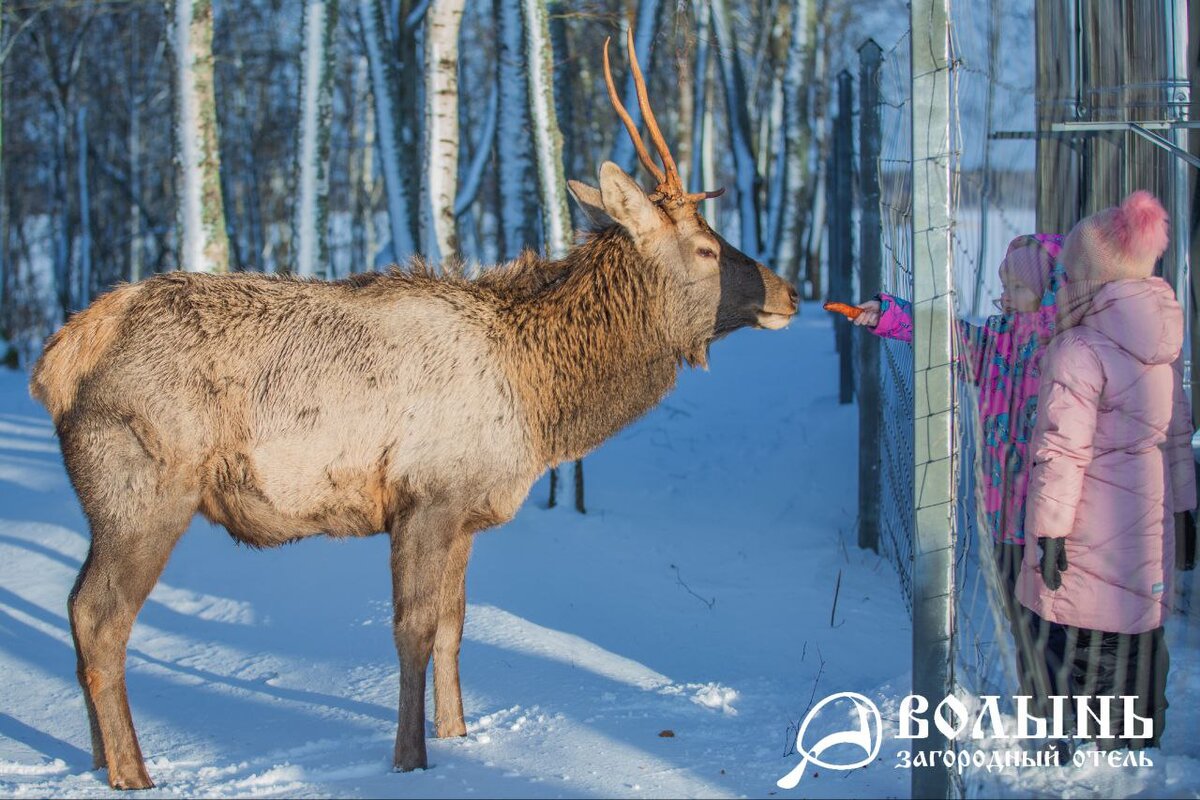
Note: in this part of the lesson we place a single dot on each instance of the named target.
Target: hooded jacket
(1003, 359)
(1112, 462)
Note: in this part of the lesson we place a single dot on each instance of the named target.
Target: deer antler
(670, 185)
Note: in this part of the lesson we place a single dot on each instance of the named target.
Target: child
(1112, 463)
(1003, 359)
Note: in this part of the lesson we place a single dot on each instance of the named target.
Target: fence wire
(1002, 180)
(896, 358)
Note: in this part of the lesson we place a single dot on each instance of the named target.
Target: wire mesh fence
(987, 126)
(895, 371)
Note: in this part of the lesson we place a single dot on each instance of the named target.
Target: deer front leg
(446, 689)
(420, 546)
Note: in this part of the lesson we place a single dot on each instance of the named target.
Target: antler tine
(695, 197)
(643, 154)
(674, 184)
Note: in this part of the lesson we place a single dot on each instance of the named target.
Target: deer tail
(73, 352)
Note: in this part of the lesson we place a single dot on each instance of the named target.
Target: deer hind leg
(446, 644)
(421, 544)
(134, 528)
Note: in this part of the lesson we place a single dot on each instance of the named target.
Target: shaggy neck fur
(590, 351)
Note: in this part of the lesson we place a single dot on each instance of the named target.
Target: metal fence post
(934, 381)
(870, 278)
(840, 270)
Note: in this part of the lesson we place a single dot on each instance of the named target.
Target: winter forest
(347, 135)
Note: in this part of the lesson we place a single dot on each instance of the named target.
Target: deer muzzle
(780, 301)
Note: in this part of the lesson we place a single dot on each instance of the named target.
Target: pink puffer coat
(1112, 462)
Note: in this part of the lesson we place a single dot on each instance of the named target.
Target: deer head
(714, 288)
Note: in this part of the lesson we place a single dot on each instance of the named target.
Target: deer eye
(705, 252)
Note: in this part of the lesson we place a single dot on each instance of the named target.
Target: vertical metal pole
(1178, 100)
(1059, 63)
(841, 212)
(934, 397)
(870, 277)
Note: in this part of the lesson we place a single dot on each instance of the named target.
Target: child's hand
(870, 315)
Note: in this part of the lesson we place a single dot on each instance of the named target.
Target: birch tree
(203, 242)
(4, 332)
(84, 290)
(7, 352)
(734, 85)
(310, 225)
(61, 50)
(552, 183)
(442, 23)
(516, 172)
(702, 171)
(547, 138)
(387, 130)
(797, 138)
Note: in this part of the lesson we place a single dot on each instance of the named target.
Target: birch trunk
(84, 290)
(789, 246)
(384, 90)
(310, 224)
(135, 153)
(135, 187)
(623, 153)
(361, 171)
(701, 172)
(443, 21)
(5, 348)
(708, 153)
(552, 183)
(564, 81)
(203, 241)
(62, 218)
(547, 138)
(741, 136)
(516, 172)
(777, 190)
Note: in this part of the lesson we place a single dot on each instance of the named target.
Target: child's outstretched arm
(886, 316)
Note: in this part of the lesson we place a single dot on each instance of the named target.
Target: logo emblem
(867, 735)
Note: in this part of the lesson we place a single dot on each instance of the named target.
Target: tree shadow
(50, 746)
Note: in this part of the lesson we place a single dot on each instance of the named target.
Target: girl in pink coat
(1112, 464)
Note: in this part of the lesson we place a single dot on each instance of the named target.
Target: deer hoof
(407, 762)
(136, 779)
(449, 730)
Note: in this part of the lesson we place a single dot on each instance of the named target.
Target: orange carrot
(846, 310)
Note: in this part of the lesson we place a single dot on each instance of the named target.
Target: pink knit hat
(1118, 243)
(1033, 267)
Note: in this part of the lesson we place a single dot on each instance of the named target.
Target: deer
(409, 402)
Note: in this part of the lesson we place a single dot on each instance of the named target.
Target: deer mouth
(773, 320)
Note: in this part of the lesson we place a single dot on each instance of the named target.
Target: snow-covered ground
(695, 596)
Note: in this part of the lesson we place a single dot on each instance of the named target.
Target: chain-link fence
(974, 153)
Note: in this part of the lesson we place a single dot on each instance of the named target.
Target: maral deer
(409, 403)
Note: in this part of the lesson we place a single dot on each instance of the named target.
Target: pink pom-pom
(1138, 227)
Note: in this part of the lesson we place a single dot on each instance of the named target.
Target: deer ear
(590, 203)
(626, 203)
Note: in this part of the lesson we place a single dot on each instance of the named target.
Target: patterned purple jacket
(1003, 359)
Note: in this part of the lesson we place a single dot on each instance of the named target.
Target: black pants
(1080, 662)
(1029, 658)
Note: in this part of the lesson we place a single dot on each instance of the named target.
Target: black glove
(1185, 541)
(1054, 561)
